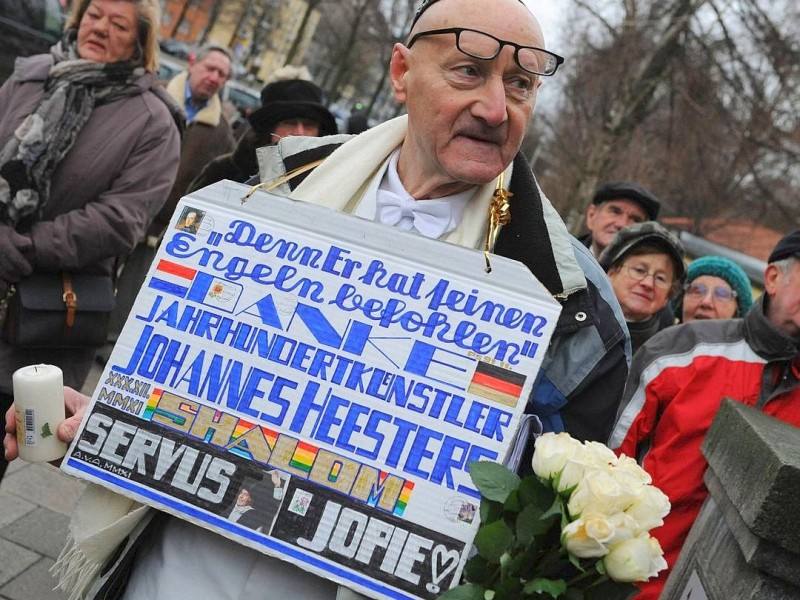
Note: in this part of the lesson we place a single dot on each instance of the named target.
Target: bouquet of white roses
(578, 529)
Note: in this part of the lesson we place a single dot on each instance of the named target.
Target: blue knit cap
(724, 268)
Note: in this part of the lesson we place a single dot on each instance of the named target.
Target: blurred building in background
(263, 36)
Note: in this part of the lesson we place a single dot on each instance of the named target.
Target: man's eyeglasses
(640, 273)
(698, 291)
(483, 46)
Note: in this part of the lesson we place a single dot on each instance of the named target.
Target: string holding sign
(271, 185)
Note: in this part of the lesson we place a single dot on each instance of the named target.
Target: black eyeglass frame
(517, 47)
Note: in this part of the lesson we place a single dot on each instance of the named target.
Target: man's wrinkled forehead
(426, 4)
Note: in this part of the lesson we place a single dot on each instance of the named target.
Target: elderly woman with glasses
(644, 262)
(716, 288)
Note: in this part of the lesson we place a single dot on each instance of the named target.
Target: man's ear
(591, 210)
(398, 70)
(771, 276)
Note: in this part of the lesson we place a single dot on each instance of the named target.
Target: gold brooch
(499, 214)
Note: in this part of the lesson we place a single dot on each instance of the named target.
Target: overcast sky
(548, 13)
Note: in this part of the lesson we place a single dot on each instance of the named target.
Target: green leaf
(469, 591)
(533, 491)
(600, 565)
(493, 540)
(522, 564)
(478, 570)
(490, 511)
(540, 585)
(531, 522)
(505, 561)
(526, 524)
(577, 562)
(494, 481)
(510, 589)
(512, 502)
(557, 509)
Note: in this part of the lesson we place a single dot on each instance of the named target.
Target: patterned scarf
(74, 87)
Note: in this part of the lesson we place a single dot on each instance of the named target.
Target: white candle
(39, 407)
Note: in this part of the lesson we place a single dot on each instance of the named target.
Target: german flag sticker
(497, 384)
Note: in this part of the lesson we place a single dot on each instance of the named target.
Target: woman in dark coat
(88, 153)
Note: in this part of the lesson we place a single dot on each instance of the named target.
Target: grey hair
(785, 264)
(206, 49)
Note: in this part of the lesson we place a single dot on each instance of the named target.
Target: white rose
(630, 483)
(635, 559)
(657, 562)
(626, 463)
(600, 454)
(624, 528)
(574, 470)
(551, 452)
(599, 492)
(591, 535)
(585, 537)
(649, 508)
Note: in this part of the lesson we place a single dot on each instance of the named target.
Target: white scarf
(102, 519)
(362, 160)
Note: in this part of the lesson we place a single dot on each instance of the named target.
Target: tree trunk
(298, 39)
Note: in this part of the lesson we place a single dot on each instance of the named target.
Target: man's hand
(75, 404)
(276, 477)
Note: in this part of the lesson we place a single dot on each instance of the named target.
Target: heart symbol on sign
(443, 562)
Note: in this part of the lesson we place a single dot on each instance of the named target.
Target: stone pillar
(745, 544)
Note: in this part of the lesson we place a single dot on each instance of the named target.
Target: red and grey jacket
(677, 382)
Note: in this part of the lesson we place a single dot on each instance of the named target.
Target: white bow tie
(431, 218)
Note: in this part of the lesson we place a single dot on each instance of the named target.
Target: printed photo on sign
(190, 220)
(258, 501)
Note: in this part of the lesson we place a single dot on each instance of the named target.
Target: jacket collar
(537, 236)
(764, 338)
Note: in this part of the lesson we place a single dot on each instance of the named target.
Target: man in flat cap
(680, 376)
(615, 205)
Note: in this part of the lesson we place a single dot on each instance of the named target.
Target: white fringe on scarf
(102, 520)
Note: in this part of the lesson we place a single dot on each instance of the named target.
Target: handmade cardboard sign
(313, 385)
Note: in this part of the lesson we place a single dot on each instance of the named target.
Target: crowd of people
(95, 154)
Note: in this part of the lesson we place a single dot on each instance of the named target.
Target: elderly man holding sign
(468, 73)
